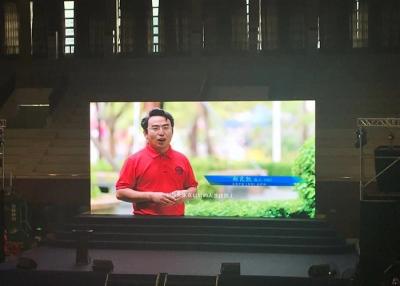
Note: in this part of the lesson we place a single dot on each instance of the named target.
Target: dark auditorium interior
(57, 56)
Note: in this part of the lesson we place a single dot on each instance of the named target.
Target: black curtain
(334, 23)
(209, 26)
(270, 25)
(90, 27)
(175, 26)
(239, 26)
(390, 30)
(291, 24)
(284, 24)
(135, 27)
(40, 28)
(297, 31)
(47, 21)
(224, 26)
(217, 26)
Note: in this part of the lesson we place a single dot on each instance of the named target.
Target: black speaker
(102, 265)
(322, 271)
(388, 181)
(379, 238)
(230, 268)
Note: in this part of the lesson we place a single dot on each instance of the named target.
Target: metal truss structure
(363, 123)
(378, 122)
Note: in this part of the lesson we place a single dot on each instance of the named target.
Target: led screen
(250, 158)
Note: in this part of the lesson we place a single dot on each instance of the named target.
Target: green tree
(304, 167)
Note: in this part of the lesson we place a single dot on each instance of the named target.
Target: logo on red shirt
(179, 170)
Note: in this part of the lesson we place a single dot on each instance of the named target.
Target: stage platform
(201, 263)
(191, 250)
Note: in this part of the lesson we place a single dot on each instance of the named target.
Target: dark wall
(345, 87)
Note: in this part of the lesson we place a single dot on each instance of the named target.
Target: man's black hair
(156, 112)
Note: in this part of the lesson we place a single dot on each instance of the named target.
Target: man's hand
(180, 196)
(163, 198)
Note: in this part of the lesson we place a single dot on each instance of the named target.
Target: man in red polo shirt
(157, 179)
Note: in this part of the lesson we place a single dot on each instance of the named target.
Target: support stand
(82, 246)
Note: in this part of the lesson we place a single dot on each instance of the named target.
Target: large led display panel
(250, 158)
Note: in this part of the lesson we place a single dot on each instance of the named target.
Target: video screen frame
(211, 201)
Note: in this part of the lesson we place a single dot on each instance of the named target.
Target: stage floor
(187, 262)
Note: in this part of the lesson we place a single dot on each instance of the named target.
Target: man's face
(159, 133)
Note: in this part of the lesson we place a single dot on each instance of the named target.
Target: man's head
(158, 128)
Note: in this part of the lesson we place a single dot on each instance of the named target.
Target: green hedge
(304, 167)
(244, 208)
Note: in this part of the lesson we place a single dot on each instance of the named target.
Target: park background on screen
(251, 158)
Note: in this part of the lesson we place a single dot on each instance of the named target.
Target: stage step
(199, 229)
(205, 234)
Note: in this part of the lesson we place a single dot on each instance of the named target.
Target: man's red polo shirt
(149, 171)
